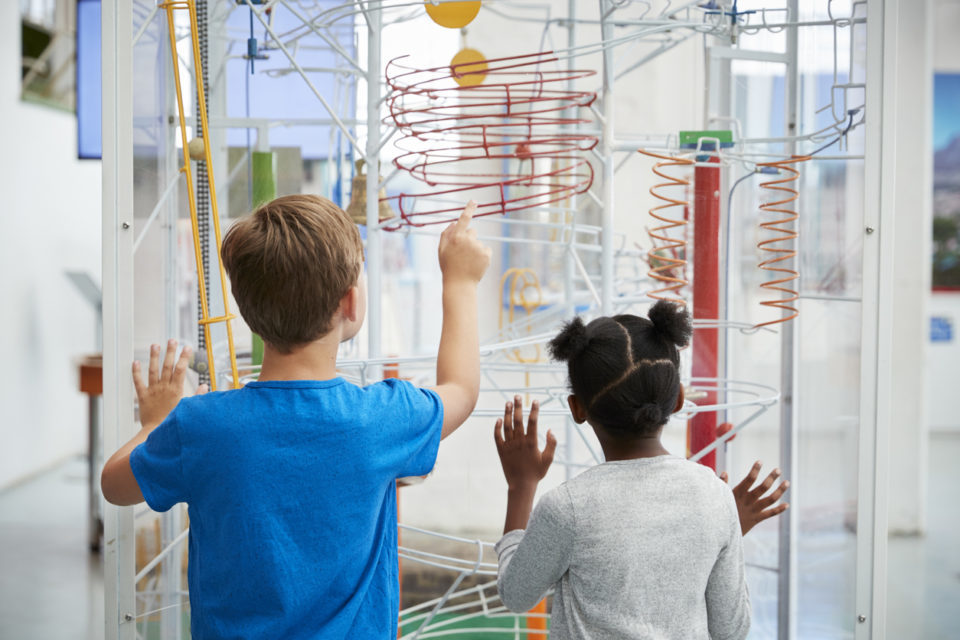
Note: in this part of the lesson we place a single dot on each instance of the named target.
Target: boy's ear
(576, 409)
(680, 399)
(350, 304)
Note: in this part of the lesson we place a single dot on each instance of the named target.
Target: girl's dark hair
(624, 369)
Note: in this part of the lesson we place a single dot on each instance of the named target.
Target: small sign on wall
(941, 329)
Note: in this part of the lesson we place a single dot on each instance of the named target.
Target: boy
(290, 480)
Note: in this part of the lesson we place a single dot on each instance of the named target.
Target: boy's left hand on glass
(164, 386)
(524, 464)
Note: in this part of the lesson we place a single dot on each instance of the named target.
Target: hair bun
(648, 414)
(571, 340)
(672, 321)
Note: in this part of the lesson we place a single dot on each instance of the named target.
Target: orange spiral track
(784, 253)
(666, 264)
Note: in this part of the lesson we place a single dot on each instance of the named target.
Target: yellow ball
(196, 150)
(453, 15)
(468, 67)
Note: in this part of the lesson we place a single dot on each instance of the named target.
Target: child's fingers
(546, 459)
(532, 421)
(764, 486)
(202, 389)
(169, 358)
(467, 215)
(508, 421)
(763, 503)
(724, 476)
(153, 370)
(780, 508)
(181, 369)
(517, 417)
(138, 385)
(497, 435)
(747, 482)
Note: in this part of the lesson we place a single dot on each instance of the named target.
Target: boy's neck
(315, 360)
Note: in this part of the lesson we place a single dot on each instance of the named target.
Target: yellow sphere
(472, 67)
(196, 150)
(453, 15)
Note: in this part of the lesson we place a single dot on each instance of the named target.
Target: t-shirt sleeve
(531, 561)
(413, 422)
(728, 602)
(157, 466)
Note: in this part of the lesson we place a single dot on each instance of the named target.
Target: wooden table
(91, 383)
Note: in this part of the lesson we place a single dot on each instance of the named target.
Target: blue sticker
(941, 329)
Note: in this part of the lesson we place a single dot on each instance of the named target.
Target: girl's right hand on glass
(520, 456)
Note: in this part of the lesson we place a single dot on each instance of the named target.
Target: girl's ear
(680, 399)
(576, 409)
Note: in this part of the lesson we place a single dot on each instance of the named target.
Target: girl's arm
(533, 560)
(728, 602)
(524, 465)
(533, 555)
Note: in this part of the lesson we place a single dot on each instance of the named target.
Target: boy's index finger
(464, 221)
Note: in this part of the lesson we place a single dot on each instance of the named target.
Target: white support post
(569, 267)
(374, 250)
(877, 319)
(787, 548)
(118, 237)
(606, 152)
(914, 249)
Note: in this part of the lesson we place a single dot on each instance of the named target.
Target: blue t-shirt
(292, 502)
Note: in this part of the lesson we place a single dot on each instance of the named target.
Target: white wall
(50, 223)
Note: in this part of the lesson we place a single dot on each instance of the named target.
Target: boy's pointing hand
(462, 256)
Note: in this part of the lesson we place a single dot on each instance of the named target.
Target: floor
(51, 587)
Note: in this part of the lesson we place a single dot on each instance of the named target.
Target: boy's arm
(156, 399)
(463, 261)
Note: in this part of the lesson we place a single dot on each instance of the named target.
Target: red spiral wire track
(666, 265)
(508, 143)
(782, 203)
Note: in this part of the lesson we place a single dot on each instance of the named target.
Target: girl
(647, 544)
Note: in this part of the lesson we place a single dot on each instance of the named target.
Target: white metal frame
(119, 246)
(877, 315)
(118, 418)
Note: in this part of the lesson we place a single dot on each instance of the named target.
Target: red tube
(706, 300)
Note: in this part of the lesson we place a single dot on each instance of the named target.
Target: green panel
(691, 137)
(264, 165)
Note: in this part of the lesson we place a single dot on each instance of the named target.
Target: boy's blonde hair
(290, 263)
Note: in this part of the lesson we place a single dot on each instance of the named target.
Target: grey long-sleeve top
(645, 548)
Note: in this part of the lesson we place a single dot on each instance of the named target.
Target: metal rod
(787, 551)
(606, 146)
(374, 234)
(118, 419)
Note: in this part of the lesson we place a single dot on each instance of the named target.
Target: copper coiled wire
(785, 234)
(667, 265)
(522, 111)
